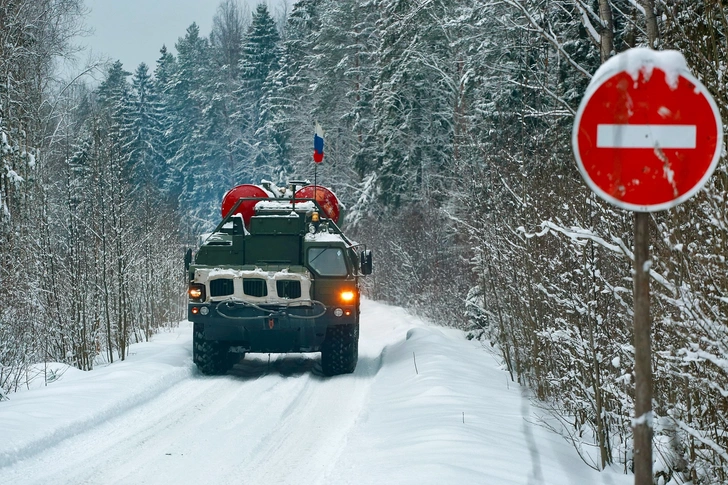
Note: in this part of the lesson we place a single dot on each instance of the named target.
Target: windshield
(327, 261)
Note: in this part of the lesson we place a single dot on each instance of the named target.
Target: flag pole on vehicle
(318, 151)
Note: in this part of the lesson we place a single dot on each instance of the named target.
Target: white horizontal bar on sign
(646, 136)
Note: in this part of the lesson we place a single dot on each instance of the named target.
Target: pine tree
(342, 61)
(260, 58)
(169, 180)
(289, 104)
(193, 170)
(222, 129)
(415, 131)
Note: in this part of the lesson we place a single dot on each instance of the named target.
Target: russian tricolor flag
(318, 144)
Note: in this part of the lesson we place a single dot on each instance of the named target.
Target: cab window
(327, 261)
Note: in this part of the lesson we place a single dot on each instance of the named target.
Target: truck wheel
(210, 356)
(340, 350)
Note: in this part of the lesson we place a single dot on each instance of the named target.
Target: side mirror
(366, 262)
(188, 259)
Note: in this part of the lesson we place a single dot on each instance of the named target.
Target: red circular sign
(647, 143)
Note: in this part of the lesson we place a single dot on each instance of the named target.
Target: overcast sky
(133, 31)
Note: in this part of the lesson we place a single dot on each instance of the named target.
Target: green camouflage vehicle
(276, 275)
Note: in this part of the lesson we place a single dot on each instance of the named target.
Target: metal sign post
(642, 324)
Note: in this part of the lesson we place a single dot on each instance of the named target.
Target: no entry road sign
(647, 135)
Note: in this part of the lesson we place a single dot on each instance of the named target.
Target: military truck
(276, 275)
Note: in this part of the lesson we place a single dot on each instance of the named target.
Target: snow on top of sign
(643, 59)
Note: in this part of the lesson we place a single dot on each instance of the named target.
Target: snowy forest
(448, 137)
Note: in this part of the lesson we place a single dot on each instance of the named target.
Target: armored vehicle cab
(276, 275)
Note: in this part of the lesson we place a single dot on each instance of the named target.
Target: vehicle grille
(288, 288)
(255, 287)
(221, 287)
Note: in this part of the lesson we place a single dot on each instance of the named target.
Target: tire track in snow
(265, 422)
(313, 431)
(193, 419)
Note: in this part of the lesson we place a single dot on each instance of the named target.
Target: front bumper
(268, 328)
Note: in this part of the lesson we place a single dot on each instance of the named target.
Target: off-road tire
(211, 357)
(340, 350)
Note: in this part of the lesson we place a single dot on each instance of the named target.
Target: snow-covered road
(454, 419)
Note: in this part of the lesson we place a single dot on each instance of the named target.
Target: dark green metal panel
(277, 225)
(283, 249)
(219, 256)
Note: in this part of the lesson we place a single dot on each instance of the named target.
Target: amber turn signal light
(347, 296)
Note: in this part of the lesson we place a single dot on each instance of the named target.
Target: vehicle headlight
(196, 292)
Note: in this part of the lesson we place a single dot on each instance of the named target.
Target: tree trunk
(607, 31)
(651, 21)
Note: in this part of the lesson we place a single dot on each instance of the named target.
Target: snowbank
(442, 411)
(34, 420)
